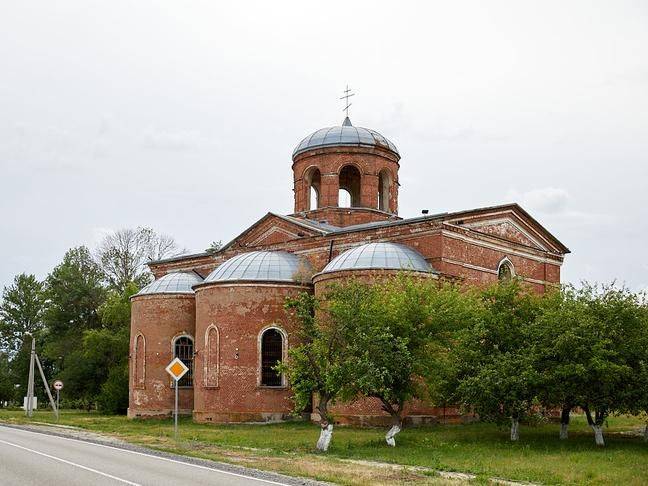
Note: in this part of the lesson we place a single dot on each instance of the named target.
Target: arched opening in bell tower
(349, 194)
(384, 183)
(313, 180)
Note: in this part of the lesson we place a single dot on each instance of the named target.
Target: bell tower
(346, 175)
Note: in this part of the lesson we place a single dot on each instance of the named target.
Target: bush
(113, 398)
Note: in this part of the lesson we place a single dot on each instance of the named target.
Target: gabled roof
(299, 226)
(295, 228)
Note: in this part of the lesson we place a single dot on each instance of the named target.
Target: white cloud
(171, 140)
(548, 200)
(98, 234)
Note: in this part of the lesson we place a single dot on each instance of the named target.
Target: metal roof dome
(392, 256)
(346, 135)
(261, 265)
(172, 283)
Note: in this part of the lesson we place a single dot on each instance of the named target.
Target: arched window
(505, 271)
(313, 180)
(183, 348)
(272, 345)
(350, 182)
(211, 356)
(139, 367)
(384, 182)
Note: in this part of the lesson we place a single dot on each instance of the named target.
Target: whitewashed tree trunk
(325, 438)
(598, 435)
(564, 434)
(646, 433)
(515, 429)
(389, 437)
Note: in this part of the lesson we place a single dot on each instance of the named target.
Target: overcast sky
(183, 116)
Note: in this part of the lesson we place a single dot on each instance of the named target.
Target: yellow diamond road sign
(177, 369)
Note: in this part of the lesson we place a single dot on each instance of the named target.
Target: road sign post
(177, 369)
(58, 386)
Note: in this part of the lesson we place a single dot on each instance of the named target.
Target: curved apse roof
(261, 265)
(346, 135)
(172, 283)
(392, 256)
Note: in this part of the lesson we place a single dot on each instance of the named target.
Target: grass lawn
(481, 449)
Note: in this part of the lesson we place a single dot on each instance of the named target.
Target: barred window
(183, 349)
(271, 354)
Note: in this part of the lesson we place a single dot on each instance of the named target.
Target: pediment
(509, 230)
(271, 230)
(510, 223)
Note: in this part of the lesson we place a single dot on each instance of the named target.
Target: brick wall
(240, 312)
(159, 319)
(330, 161)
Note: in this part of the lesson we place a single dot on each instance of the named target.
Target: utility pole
(29, 408)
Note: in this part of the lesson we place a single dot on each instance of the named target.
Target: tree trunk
(596, 424)
(598, 435)
(326, 428)
(391, 433)
(564, 423)
(646, 433)
(397, 421)
(515, 429)
(325, 437)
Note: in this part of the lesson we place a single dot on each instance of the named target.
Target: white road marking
(268, 481)
(71, 463)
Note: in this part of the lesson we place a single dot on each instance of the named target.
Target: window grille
(183, 349)
(271, 354)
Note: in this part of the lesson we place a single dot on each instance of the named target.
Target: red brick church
(222, 312)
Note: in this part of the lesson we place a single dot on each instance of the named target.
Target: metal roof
(172, 283)
(345, 135)
(393, 256)
(261, 265)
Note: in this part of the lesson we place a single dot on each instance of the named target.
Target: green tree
(21, 311)
(561, 352)
(7, 393)
(590, 351)
(115, 312)
(317, 365)
(397, 332)
(115, 318)
(492, 368)
(75, 291)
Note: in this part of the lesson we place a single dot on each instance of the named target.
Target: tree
(561, 353)
(397, 332)
(75, 290)
(6, 381)
(115, 312)
(317, 364)
(214, 247)
(123, 255)
(492, 368)
(590, 349)
(115, 315)
(21, 311)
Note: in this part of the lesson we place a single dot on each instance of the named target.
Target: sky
(182, 116)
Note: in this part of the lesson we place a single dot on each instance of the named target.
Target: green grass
(482, 449)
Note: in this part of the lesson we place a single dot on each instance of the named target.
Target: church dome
(262, 265)
(383, 256)
(172, 283)
(347, 136)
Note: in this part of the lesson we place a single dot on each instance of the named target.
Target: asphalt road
(32, 458)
